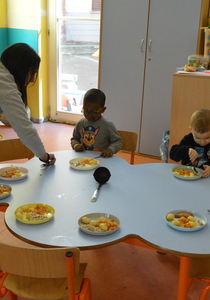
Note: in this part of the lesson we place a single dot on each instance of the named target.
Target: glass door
(74, 35)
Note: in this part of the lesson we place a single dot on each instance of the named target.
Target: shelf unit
(204, 22)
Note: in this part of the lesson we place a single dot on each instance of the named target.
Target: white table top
(139, 195)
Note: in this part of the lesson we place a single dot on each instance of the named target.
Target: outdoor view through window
(78, 35)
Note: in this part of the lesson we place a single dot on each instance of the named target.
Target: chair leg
(12, 296)
(184, 279)
(204, 292)
(132, 158)
(3, 290)
(85, 293)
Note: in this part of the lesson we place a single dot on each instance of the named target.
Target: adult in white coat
(19, 66)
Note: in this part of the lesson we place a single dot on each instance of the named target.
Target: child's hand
(192, 155)
(206, 172)
(79, 148)
(107, 153)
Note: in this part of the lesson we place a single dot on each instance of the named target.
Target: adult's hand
(48, 159)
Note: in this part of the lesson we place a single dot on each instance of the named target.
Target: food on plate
(189, 68)
(85, 220)
(184, 219)
(184, 172)
(190, 218)
(170, 217)
(87, 161)
(200, 223)
(13, 172)
(183, 214)
(38, 212)
(4, 191)
(93, 222)
(101, 225)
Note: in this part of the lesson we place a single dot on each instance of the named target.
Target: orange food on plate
(39, 209)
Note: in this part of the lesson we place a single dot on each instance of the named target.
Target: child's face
(201, 139)
(92, 111)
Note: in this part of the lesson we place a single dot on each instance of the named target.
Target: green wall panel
(9, 36)
(3, 39)
(23, 36)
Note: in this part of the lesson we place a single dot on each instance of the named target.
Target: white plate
(197, 216)
(196, 177)
(81, 167)
(96, 216)
(23, 171)
(5, 186)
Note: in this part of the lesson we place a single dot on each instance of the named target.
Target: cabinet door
(172, 36)
(122, 56)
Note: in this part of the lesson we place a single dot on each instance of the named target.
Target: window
(76, 34)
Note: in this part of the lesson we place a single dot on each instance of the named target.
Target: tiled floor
(121, 271)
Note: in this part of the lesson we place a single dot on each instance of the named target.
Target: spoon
(193, 168)
(101, 175)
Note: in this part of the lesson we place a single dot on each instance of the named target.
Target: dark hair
(21, 60)
(95, 96)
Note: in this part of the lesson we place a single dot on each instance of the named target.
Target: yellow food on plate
(85, 220)
(183, 219)
(101, 225)
(13, 172)
(38, 212)
(176, 223)
(25, 208)
(184, 173)
(89, 161)
(4, 191)
(103, 219)
(191, 218)
(170, 217)
(192, 224)
(93, 222)
(19, 215)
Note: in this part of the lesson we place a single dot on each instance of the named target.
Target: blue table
(139, 195)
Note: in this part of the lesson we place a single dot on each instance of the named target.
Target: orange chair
(200, 269)
(3, 206)
(205, 290)
(43, 273)
(129, 143)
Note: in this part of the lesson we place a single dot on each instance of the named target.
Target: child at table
(94, 132)
(194, 148)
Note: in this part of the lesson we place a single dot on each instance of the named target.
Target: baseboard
(40, 120)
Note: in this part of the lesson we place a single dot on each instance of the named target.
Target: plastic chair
(200, 269)
(3, 206)
(14, 149)
(43, 273)
(129, 143)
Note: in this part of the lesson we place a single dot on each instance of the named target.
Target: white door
(172, 37)
(122, 58)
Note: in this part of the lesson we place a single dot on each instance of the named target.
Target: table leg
(184, 280)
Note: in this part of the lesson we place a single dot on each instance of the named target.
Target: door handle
(142, 42)
(150, 45)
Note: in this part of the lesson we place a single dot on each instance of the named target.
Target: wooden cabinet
(142, 44)
(189, 93)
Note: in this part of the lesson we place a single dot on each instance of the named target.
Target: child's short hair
(200, 120)
(95, 96)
